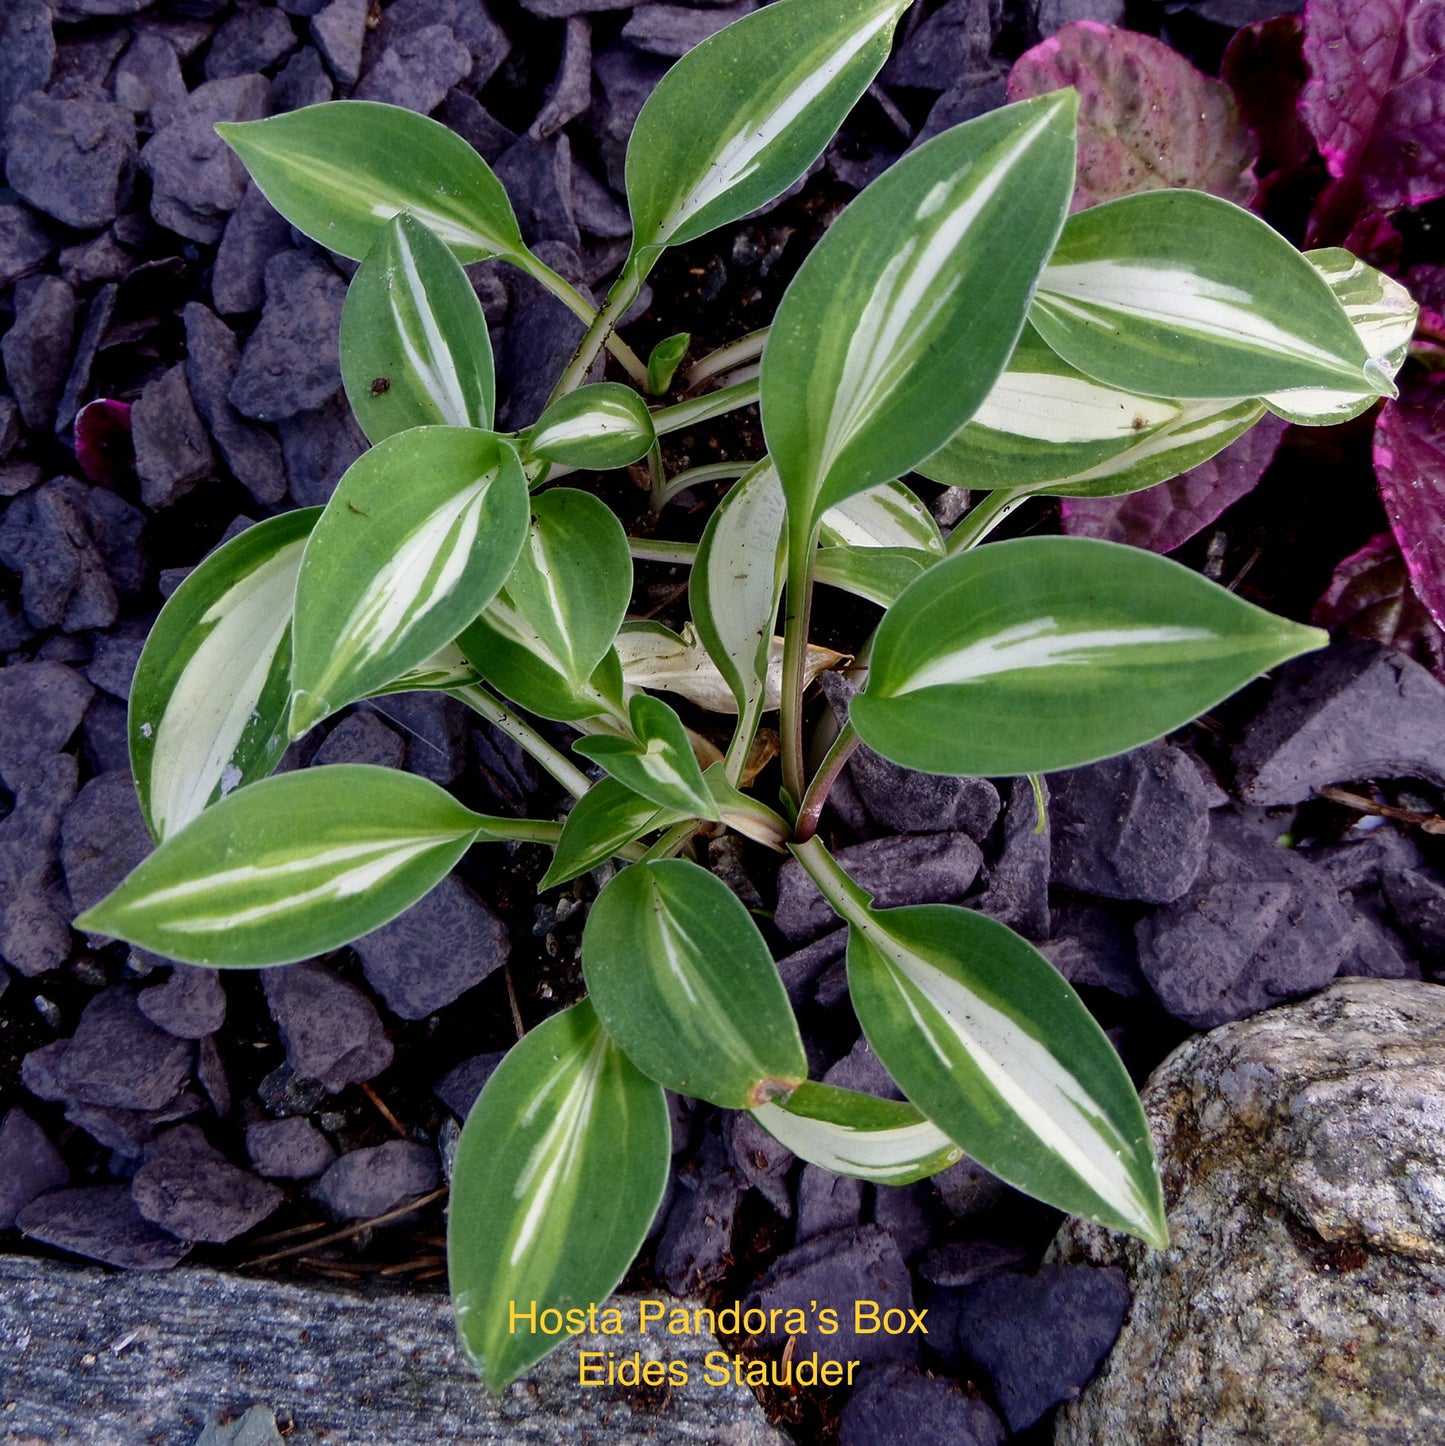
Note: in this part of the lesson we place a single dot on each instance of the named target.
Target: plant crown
(955, 322)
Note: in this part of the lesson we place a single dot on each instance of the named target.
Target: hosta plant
(954, 322)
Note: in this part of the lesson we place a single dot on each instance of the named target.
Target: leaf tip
(307, 710)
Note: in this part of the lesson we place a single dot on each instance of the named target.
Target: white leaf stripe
(874, 1154)
(741, 151)
(599, 421)
(454, 232)
(888, 515)
(1048, 407)
(428, 355)
(213, 700)
(1031, 1081)
(1046, 643)
(916, 285)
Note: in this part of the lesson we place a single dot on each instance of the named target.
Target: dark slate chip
(861, 1070)
(800, 969)
(197, 180)
(290, 363)
(1047, 16)
(458, 1090)
(911, 869)
(762, 1161)
(626, 77)
(443, 945)
(538, 178)
(101, 1223)
(27, 51)
(1018, 883)
(330, 1028)
(317, 448)
(286, 1094)
(969, 95)
(435, 729)
(695, 1247)
(148, 79)
(963, 1262)
(673, 30)
(103, 838)
(29, 1165)
(827, 1202)
(1417, 901)
(289, 1149)
(72, 159)
(25, 243)
(303, 79)
(118, 1059)
(77, 384)
(366, 1183)
(250, 40)
(571, 93)
(361, 737)
(172, 452)
(189, 1005)
(955, 39)
(1040, 1338)
(9, 425)
(968, 1189)
(1094, 945)
(255, 232)
(338, 31)
(894, 1404)
(189, 1188)
(41, 705)
(846, 1272)
(36, 348)
(34, 913)
(1131, 827)
(211, 1073)
(561, 9)
(481, 130)
(107, 736)
(468, 20)
(417, 70)
(911, 1214)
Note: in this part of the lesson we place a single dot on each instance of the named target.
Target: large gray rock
(72, 159)
(1303, 1297)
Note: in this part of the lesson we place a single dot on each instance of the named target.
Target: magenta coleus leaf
(102, 441)
(1264, 66)
(1165, 517)
(1410, 466)
(1147, 118)
(1370, 596)
(1375, 103)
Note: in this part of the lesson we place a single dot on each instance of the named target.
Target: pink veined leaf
(1147, 119)
(103, 447)
(1375, 104)
(1410, 467)
(1165, 517)
(1370, 596)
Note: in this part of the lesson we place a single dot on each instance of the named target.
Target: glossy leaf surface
(743, 115)
(1049, 652)
(877, 574)
(599, 427)
(209, 699)
(888, 515)
(414, 344)
(559, 1171)
(419, 535)
(657, 761)
(290, 867)
(905, 313)
(664, 359)
(682, 980)
(608, 817)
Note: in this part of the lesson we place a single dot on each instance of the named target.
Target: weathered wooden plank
(89, 1357)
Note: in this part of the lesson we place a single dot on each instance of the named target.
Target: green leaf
(886, 1141)
(1383, 314)
(290, 867)
(878, 574)
(888, 515)
(657, 761)
(1050, 652)
(419, 535)
(598, 427)
(1179, 294)
(664, 360)
(511, 655)
(208, 702)
(414, 344)
(737, 580)
(682, 980)
(337, 171)
(607, 818)
(743, 115)
(446, 668)
(904, 314)
(559, 1171)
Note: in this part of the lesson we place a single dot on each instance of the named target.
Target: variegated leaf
(414, 344)
(987, 1038)
(560, 1168)
(886, 1141)
(743, 115)
(607, 818)
(888, 515)
(419, 535)
(1383, 314)
(511, 654)
(744, 814)
(903, 316)
(657, 761)
(209, 699)
(1055, 652)
(338, 171)
(877, 574)
(446, 668)
(598, 427)
(290, 867)
(1180, 294)
(682, 980)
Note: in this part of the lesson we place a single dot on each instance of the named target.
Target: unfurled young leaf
(607, 818)
(512, 656)
(208, 705)
(414, 344)
(682, 980)
(1178, 294)
(446, 668)
(419, 535)
(599, 427)
(1050, 652)
(657, 761)
(338, 171)
(987, 1038)
(905, 313)
(664, 360)
(886, 1141)
(743, 115)
(290, 867)
(559, 1171)
(877, 574)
